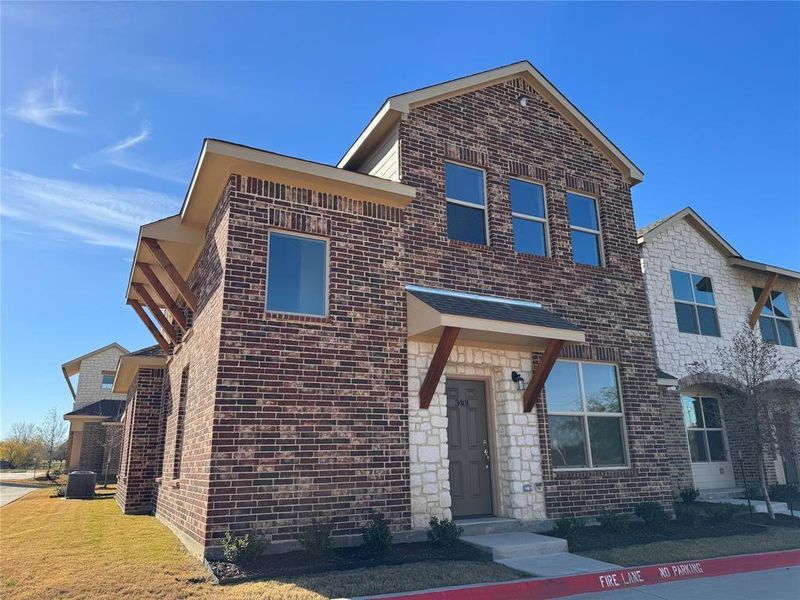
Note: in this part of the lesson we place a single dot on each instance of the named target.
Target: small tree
(22, 446)
(53, 432)
(111, 442)
(746, 369)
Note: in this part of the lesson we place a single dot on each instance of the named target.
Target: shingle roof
(488, 307)
(102, 408)
(154, 350)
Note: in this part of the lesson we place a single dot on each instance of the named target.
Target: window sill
(589, 471)
(466, 244)
(297, 318)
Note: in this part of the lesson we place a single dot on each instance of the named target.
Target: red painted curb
(558, 587)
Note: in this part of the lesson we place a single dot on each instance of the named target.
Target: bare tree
(53, 432)
(111, 443)
(754, 380)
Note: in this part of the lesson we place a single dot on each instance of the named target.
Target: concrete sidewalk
(775, 584)
(9, 493)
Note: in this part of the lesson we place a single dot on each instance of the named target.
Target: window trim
(543, 220)
(586, 414)
(694, 304)
(704, 429)
(774, 317)
(484, 208)
(327, 282)
(598, 232)
(103, 375)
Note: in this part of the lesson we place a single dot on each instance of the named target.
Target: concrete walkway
(775, 584)
(538, 555)
(11, 475)
(9, 493)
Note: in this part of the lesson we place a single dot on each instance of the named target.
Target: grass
(55, 548)
(773, 538)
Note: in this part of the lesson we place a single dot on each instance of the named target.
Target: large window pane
(681, 286)
(697, 446)
(600, 387)
(692, 416)
(297, 281)
(463, 183)
(567, 441)
(529, 237)
(582, 211)
(780, 306)
(785, 333)
(466, 224)
(711, 413)
(562, 388)
(687, 319)
(768, 331)
(708, 320)
(605, 441)
(716, 446)
(703, 292)
(585, 248)
(526, 198)
(767, 309)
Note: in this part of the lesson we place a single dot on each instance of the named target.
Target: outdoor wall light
(518, 379)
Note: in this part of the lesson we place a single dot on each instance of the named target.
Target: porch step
(759, 506)
(485, 525)
(516, 544)
(711, 495)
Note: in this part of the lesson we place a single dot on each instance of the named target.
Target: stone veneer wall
(515, 453)
(90, 378)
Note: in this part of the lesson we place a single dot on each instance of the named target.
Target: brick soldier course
(288, 417)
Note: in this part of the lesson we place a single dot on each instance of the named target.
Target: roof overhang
(396, 106)
(751, 265)
(85, 418)
(698, 223)
(426, 323)
(129, 366)
(73, 367)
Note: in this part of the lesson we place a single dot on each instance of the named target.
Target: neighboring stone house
(451, 322)
(701, 293)
(94, 420)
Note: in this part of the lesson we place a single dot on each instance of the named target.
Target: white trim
(326, 283)
(723, 429)
(441, 292)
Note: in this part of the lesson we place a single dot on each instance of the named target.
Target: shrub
(784, 492)
(685, 515)
(243, 549)
(689, 494)
(720, 513)
(652, 513)
(316, 537)
(444, 533)
(753, 491)
(567, 526)
(377, 536)
(612, 522)
(58, 491)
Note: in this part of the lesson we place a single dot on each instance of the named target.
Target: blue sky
(103, 108)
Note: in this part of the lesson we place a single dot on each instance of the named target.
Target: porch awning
(444, 316)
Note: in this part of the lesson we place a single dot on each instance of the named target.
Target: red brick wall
(489, 129)
(311, 412)
(142, 444)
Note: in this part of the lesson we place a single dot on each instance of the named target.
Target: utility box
(80, 484)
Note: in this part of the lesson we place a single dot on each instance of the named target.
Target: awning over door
(444, 316)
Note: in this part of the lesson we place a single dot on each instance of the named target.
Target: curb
(558, 587)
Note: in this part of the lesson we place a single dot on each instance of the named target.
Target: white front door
(708, 444)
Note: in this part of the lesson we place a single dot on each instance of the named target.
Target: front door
(468, 448)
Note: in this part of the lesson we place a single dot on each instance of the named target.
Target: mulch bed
(341, 559)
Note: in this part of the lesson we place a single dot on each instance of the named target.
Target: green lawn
(56, 548)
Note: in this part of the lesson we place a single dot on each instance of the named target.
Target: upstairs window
(528, 217)
(775, 320)
(585, 230)
(466, 203)
(584, 410)
(695, 307)
(108, 380)
(297, 274)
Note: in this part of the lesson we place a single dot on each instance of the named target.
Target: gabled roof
(73, 366)
(105, 409)
(151, 357)
(395, 106)
(688, 214)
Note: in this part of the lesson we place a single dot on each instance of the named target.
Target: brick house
(701, 293)
(450, 322)
(95, 417)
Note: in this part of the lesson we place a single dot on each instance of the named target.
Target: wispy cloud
(47, 105)
(103, 215)
(123, 154)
